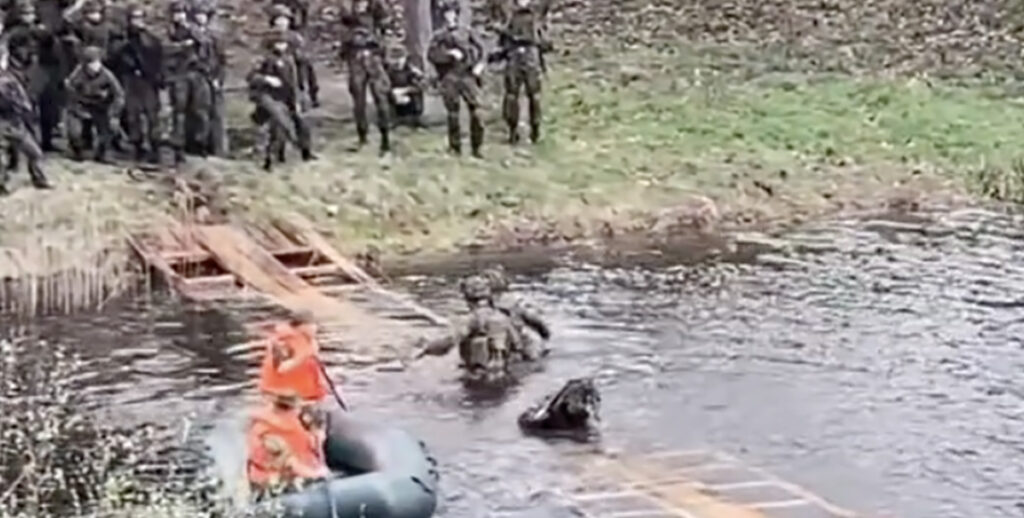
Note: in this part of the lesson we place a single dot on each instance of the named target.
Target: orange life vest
(265, 468)
(306, 380)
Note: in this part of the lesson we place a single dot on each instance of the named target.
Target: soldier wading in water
(487, 339)
(458, 55)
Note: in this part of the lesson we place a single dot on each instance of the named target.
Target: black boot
(101, 155)
(140, 153)
(179, 157)
(307, 155)
(385, 142)
(281, 158)
(153, 156)
(268, 162)
(39, 180)
(76, 153)
(3, 190)
(534, 133)
(513, 135)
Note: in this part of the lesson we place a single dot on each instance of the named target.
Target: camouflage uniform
(362, 49)
(299, 50)
(407, 86)
(485, 341)
(137, 59)
(35, 60)
(209, 128)
(191, 93)
(15, 109)
(95, 99)
(277, 105)
(534, 332)
(457, 54)
(521, 43)
(88, 28)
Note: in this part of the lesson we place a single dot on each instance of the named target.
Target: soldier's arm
(535, 321)
(117, 90)
(477, 47)
(419, 79)
(437, 53)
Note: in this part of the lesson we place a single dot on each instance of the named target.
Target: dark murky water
(873, 362)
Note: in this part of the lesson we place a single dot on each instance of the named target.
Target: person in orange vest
(282, 452)
(291, 362)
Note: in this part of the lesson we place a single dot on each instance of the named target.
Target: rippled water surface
(875, 362)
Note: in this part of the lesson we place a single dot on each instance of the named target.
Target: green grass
(623, 142)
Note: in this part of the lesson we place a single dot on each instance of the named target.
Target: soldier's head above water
(93, 58)
(476, 290)
(280, 17)
(496, 277)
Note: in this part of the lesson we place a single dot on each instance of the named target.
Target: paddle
(330, 383)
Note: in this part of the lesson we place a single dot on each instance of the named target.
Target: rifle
(508, 41)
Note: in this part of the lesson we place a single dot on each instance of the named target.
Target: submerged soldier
(273, 88)
(485, 341)
(521, 45)
(282, 19)
(209, 126)
(457, 54)
(95, 99)
(533, 330)
(407, 86)
(15, 109)
(362, 49)
(137, 59)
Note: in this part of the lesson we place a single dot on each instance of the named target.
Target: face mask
(282, 23)
(94, 66)
(94, 17)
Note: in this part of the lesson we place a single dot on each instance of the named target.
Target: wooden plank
(304, 228)
(239, 255)
(170, 276)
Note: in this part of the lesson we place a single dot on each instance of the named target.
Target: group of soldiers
(100, 76)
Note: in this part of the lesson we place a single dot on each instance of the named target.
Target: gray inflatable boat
(383, 473)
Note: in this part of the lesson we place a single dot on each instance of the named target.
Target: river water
(874, 361)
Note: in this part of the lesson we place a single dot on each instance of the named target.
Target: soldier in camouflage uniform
(137, 59)
(282, 19)
(365, 27)
(36, 57)
(15, 108)
(95, 99)
(407, 86)
(521, 45)
(190, 93)
(210, 133)
(485, 341)
(87, 27)
(274, 90)
(457, 54)
(534, 331)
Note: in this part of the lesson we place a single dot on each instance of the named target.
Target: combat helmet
(475, 288)
(177, 6)
(92, 53)
(92, 7)
(278, 10)
(444, 6)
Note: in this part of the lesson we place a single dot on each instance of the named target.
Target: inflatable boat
(382, 472)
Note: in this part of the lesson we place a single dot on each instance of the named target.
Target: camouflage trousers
(89, 127)
(522, 71)
(366, 72)
(191, 102)
(281, 125)
(455, 90)
(142, 113)
(18, 138)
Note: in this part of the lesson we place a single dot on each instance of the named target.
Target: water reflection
(871, 361)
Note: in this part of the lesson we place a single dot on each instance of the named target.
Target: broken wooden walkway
(689, 484)
(284, 261)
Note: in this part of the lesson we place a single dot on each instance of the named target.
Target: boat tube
(383, 473)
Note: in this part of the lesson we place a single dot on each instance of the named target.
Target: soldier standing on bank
(88, 27)
(282, 19)
(188, 90)
(95, 99)
(521, 44)
(210, 133)
(407, 86)
(15, 109)
(37, 58)
(137, 59)
(274, 90)
(458, 55)
(362, 49)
